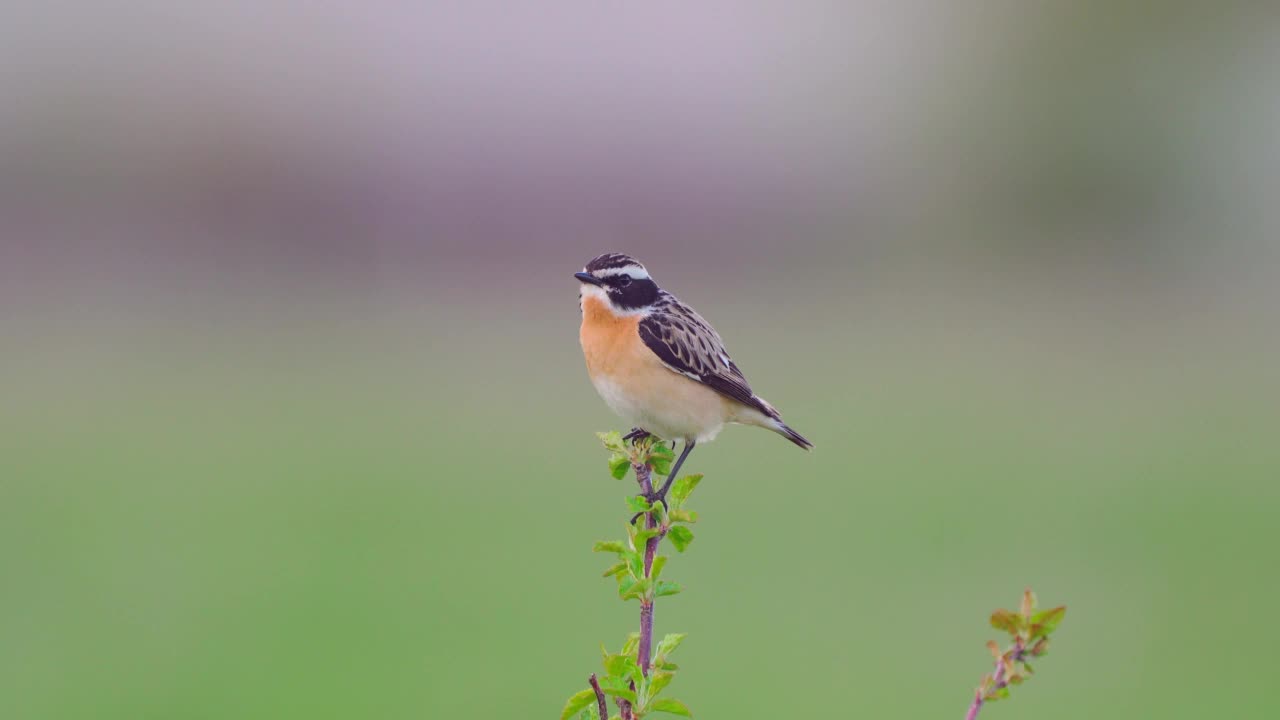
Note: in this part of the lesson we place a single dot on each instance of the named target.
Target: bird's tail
(769, 418)
(785, 431)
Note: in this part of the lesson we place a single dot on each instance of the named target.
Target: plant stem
(997, 681)
(644, 476)
(976, 707)
(624, 706)
(604, 709)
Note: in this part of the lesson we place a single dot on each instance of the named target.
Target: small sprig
(648, 451)
(1029, 629)
(637, 674)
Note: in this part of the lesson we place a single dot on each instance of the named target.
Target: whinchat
(659, 365)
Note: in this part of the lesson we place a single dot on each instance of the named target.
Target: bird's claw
(636, 435)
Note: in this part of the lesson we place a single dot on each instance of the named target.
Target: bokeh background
(294, 423)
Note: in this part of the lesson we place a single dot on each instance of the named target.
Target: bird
(659, 365)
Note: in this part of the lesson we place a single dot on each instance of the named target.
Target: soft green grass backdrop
(388, 514)
(294, 424)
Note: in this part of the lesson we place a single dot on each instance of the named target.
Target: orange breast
(637, 386)
(611, 344)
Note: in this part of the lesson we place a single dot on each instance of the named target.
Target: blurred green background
(294, 421)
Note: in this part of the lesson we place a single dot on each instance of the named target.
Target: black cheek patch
(640, 293)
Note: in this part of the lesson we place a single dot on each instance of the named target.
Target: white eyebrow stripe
(599, 293)
(636, 272)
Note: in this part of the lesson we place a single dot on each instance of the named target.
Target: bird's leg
(661, 495)
(636, 435)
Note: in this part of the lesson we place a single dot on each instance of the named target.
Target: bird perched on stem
(659, 365)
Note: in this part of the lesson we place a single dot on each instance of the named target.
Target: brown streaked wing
(687, 344)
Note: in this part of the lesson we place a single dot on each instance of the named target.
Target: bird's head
(619, 281)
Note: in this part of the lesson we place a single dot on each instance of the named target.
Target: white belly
(686, 411)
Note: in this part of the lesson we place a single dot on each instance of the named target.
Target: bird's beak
(589, 278)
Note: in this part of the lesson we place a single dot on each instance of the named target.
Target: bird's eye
(624, 281)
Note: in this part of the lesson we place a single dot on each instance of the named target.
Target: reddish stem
(644, 476)
(604, 709)
(978, 698)
(997, 681)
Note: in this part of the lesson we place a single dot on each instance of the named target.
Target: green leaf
(668, 705)
(625, 583)
(625, 693)
(656, 571)
(660, 459)
(684, 516)
(666, 587)
(645, 534)
(638, 589)
(669, 643)
(613, 441)
(619, 666)
(615, 570)
(998, 694)
(619, 465)
(613, 546)
(620, 687)
(680, 536)
(633, 641)
(683, 488)
(660, 509)
(668, 666)
(637, 503)
(577, 702)
(658, 681)
(1047, 621)
(1007, 621)
(612, 682)
(637, 565)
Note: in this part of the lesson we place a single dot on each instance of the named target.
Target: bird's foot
(636, 435)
